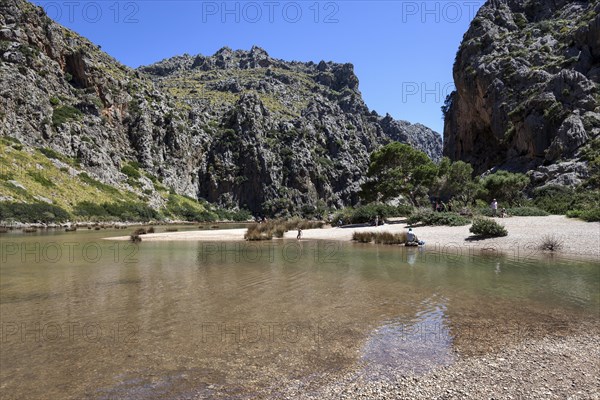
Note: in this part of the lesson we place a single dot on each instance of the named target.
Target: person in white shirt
(494, 207)
(410, 236)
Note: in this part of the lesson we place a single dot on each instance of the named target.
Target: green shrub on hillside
(131, 171)
(188, 209)
(240, 215)
(41, 179)
(30, 213)
(97, 184)
(62, 114)
(122, 211)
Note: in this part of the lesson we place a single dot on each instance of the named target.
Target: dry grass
(551, 242)
(172, 230)
(150, 230)
(362, 237)
(380, 237)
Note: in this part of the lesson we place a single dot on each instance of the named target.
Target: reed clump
(379, 237)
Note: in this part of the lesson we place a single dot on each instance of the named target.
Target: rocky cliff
(238, 128)
(527, 89)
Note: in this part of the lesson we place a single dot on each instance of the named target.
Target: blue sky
(402, 51)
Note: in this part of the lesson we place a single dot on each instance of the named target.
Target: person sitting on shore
(411, 237)
(503, 213)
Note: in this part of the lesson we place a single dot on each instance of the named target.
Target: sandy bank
(524, 235)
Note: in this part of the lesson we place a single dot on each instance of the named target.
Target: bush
(428, 217)
(41, 179)
(131, 171)
(240, 215)
(551, 242)
(188, 209)
(485, 227)
(97, 184)
(554, 199)
(590, 215)
(123, 211)
(63, 114)
(526, 212)
(580, 203)
(35, 212)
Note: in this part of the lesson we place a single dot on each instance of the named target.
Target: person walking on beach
(494, 206)
(377, 220)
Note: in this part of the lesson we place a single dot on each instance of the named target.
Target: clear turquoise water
(83, 317)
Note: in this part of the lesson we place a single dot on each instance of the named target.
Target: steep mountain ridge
(527, 97)
(238, 128)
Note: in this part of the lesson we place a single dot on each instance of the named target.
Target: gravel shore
(524, 236)
(547, 368)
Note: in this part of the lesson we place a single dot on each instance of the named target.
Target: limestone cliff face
(238, 128)
(527, 89)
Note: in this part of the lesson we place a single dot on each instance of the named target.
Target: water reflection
(409, 345)
(184, 319)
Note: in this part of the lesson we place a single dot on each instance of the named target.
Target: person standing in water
(299, 234)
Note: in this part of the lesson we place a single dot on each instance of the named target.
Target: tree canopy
(398, 169)
(505, 187)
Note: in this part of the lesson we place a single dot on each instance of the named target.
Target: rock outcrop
(527, 88)
(238, 128)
